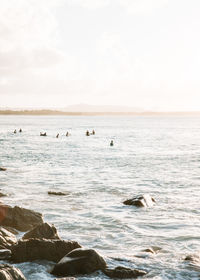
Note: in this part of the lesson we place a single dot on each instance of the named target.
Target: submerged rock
(141, 201)
(41, 249)
(44, 230)
(193, 259)
(79, 261)
(123, 272)
(57, 193)
(3, 169)
(6, 238)
(8, 272)
(2, 194)
(19, 218)
(152, 249)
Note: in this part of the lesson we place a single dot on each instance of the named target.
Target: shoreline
(62, 113)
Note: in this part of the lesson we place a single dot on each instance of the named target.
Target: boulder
(44, 230)
(57, 193)
(141, 201)
(8, 272)
(123, 272)
(79, 261)
(5, 254)
(6, 238)
(19, 218)
(41, 249)
(3, 169)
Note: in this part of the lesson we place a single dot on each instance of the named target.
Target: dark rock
(6, 238)
(141, 201)
(8, 272)
(44, 230)
(57, 193)
(3, 169)
(193, 259)
(79, 261)
(2, 194)
(12, 230)
(5, 254)
(41, 249)
(123, 272)
(19, 218)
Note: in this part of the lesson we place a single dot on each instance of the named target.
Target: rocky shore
(42, 242)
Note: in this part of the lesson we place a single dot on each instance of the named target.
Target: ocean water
(155, 155)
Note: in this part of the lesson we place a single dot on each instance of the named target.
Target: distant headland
(65, 113)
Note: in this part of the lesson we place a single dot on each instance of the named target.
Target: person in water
(57, 135)
(15, 131)
(20, 130)
(43, 134)
(67, 134)
(93, 132)
(111, 143)
(87, 133)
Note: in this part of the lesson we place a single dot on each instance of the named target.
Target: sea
(155, 155)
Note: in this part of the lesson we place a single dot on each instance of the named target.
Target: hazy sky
(139, 53)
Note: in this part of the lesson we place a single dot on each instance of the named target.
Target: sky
(136, 53)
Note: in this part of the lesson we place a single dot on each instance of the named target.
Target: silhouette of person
(57, 135)
(15, 131)
(20, 130)
(93, 132)
(87, 133)
(111, 143)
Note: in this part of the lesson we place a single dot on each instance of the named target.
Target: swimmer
(87, 133)
(57, 135)
(15, 131)
(20, 130)
(111, 143)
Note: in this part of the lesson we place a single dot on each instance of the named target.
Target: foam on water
(155, 155)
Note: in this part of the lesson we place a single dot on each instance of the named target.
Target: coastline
(62, 113)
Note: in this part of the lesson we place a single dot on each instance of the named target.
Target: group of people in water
(15, 131)
(67, 134)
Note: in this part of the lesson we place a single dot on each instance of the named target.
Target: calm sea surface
(155, 155)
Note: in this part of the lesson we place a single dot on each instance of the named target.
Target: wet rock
(124, 272)
(57, 193)
(3, 169)
(2, 194)
(141, 201)
(41, 249)
(193, 259)
(6, 238)
(12, 230)
(79, 261)
(153, 250)
(8, 272)
(44, 230)
(19, 218)
(5, 254)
